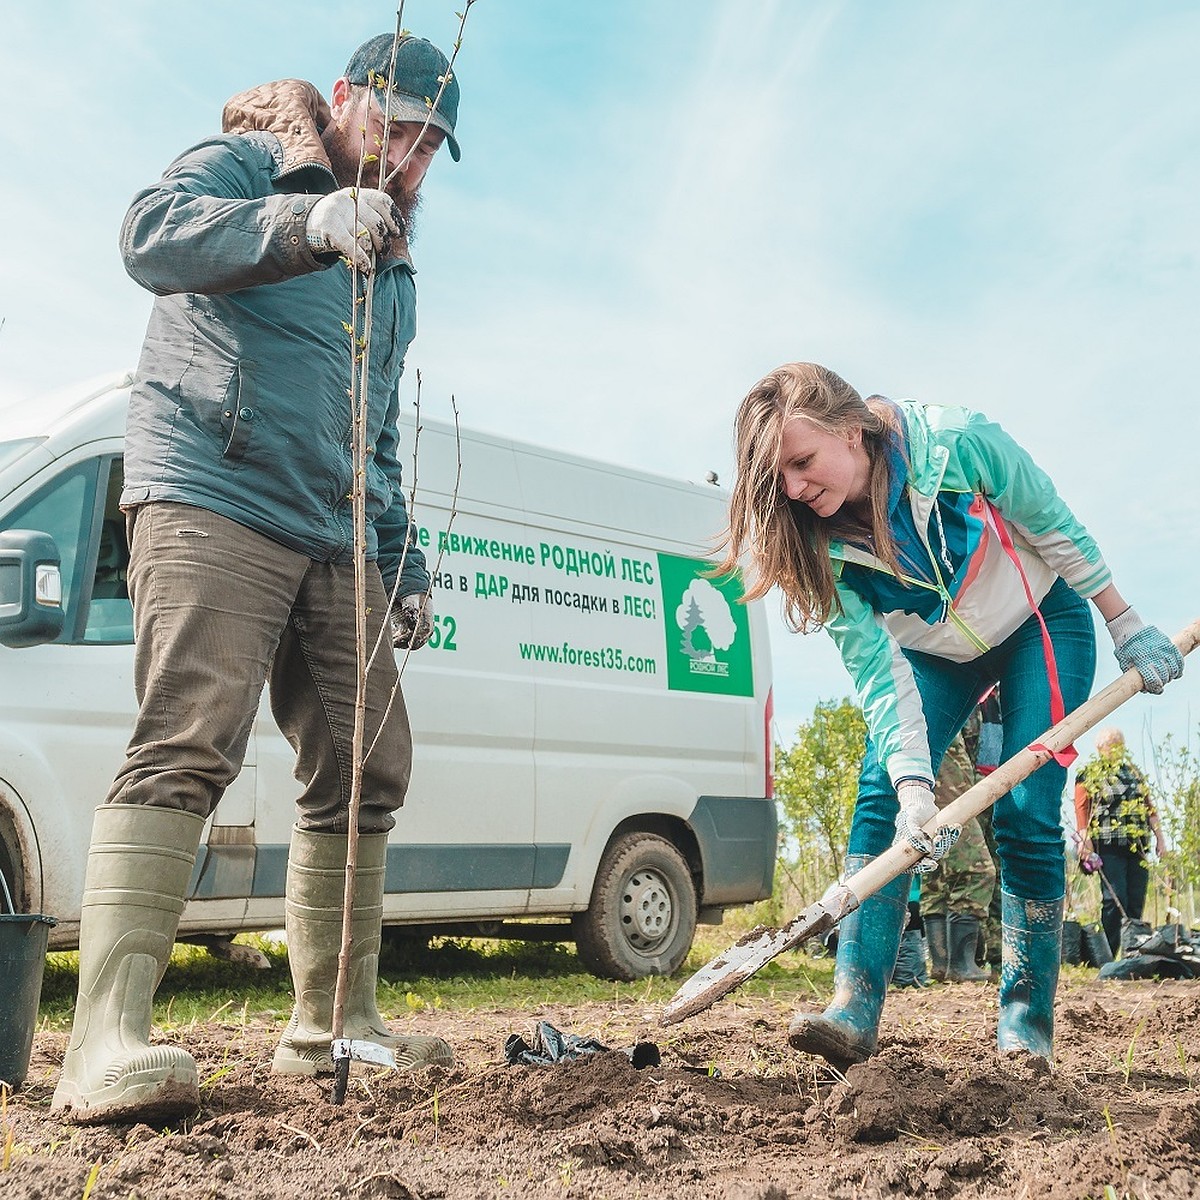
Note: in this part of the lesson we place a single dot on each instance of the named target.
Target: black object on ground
(1169, 952)
(549, 1045)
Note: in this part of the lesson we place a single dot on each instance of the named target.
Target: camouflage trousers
(965, 881)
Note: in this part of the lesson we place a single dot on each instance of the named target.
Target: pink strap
(1058, 711)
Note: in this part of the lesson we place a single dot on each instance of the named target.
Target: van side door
(69, 705)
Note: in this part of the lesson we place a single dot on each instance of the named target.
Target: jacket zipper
(939, 586)
(948, 613)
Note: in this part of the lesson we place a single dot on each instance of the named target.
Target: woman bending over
(942, 561)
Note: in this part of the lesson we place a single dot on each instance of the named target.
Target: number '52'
(444, 629)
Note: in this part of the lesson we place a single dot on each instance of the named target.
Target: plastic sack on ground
(1170, 952)
(549, 1045)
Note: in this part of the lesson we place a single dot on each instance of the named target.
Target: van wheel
(643, 913)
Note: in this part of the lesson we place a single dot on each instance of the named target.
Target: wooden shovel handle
(1004, 778)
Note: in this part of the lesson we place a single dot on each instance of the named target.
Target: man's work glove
(917, 809)
(353, 222)
(412, 621)
(1145, 647)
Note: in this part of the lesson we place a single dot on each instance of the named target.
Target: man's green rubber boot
(868, 941)
(964, 940)
(316, 881)
(936, 939)
(1032, 948)
(138, 870)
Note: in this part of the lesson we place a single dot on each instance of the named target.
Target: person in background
(942, 560)
(1116, 818)
(955, 897)
(988, 752)
(258, 245)
(911, 967)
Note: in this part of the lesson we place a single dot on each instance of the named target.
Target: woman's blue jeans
(1027, 821)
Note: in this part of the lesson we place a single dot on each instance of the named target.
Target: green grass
(454, 974)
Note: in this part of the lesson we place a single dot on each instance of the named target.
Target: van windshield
(12, 450)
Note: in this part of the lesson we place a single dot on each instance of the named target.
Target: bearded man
(238, 475)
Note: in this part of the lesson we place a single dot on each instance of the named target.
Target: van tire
(643, 913)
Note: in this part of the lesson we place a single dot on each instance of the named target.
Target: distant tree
(816, 783)
(1177, 798)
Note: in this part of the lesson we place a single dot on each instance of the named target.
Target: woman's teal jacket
(960, 593)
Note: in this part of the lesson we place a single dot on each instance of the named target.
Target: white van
(591, 716)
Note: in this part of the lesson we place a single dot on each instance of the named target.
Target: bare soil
(731, 1112)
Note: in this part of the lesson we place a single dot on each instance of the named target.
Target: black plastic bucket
(1072, 950)
(1094, 946)
(22, 962)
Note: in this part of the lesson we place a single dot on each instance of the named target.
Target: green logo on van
(707, 630)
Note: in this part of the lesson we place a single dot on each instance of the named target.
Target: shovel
(734, 966)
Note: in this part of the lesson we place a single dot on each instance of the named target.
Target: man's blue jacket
(241, 404)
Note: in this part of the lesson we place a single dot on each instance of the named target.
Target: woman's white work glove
(917, 809)
(1146, 648)
(412, 621)
(353, 222)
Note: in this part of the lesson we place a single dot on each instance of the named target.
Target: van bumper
(737, 836)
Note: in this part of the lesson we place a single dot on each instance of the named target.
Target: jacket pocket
(400, 327)
(238, 415)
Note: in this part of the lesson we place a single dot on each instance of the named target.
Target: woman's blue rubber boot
(1032, 946)
(847, 1032)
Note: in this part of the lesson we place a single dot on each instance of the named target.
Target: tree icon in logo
(705, 620)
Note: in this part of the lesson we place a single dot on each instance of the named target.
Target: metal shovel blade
(345, 1050)
(371, 1052)
(733, 967)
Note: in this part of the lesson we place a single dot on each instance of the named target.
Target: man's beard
(346, 171)
(409, 204)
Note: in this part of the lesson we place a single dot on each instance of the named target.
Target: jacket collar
(294, 111)
(897, 452)
(927, 459)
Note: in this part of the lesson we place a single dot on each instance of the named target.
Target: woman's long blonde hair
(787, 543)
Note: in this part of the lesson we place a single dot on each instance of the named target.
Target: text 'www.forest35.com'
(604, 658)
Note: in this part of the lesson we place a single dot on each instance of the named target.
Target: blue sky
(660, 200)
